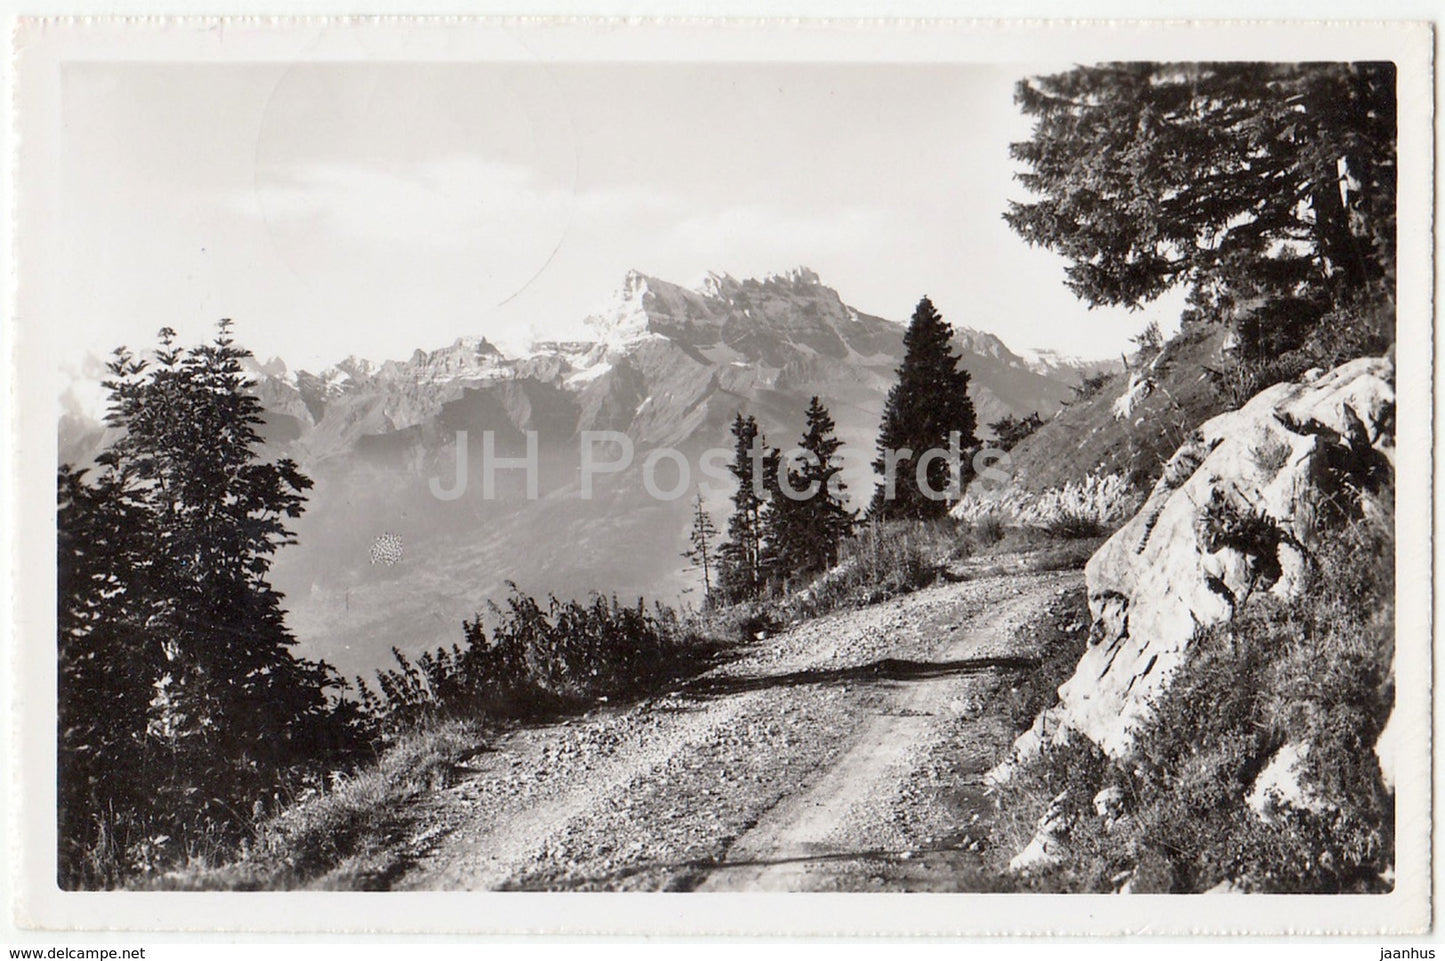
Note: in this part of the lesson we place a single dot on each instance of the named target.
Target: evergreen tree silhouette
(740, 563)
(803, 532)
(1243, 183)
(929, 402)
(701, 551)
(166, 606)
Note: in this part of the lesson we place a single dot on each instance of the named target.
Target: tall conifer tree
(701, 547)
(167, 616)
(740, 562)
(803, 532)
(1242, 182)
(929, 401)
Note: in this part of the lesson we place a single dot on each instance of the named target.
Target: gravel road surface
(844, 754)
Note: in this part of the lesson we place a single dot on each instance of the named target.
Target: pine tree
(1009, 431)
(929, 402)
(803, 533)
(1238, 181)
(777, 518)
(740, 561)
(165, 599)
(701, 552)
(830, 517)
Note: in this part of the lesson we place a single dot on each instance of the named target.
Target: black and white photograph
(553, 458)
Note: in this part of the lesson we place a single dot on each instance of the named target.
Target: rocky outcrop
(1235, 513)
(1043, 851)
(1283, 783)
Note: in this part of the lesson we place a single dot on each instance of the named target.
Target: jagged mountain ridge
(655, 362)
(666, 365)
(781, 333)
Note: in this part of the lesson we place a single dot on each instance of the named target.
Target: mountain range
(664, 365)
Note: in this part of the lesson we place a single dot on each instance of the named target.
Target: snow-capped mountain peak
(623, 318)
(1068, 367)
(699, 351)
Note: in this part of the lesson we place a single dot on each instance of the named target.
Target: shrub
(1271, 455)
(988, 529)
(1238, 380)
(1009, 430)
(882, 560)
(1074, 524)
(750, 621)
(1090, 386)
(1090, 506)
(1224, 523)
(1362, 326)
(536, 659)
(1148, 344)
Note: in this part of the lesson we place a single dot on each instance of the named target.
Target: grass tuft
(348, 826)
(1090, 506)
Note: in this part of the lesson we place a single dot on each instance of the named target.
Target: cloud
(447, 203)
(465, 203)
(438, 234)
(765, 238)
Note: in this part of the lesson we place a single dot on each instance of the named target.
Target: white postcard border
(43, 46)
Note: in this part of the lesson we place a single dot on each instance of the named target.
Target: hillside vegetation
(1198, 373)
(1086, 437)
(1187, 813)
(1221, 729)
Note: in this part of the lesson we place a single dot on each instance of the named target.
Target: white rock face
(1282, 784)
(1172, 569)
(1140, 387)
(1109, 802)
(1044, 850)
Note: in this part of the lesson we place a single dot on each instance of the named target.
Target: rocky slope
(1235, 513)
(1094, 434)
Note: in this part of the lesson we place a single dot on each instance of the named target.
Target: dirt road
(844, 754)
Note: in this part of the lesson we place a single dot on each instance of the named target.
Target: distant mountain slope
(664, 365)
(1087, 436)
(1058, 366)
(653, 355)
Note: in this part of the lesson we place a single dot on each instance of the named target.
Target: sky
(336, 209)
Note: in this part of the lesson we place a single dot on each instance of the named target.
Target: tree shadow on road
(886, 669)
(690, 873)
